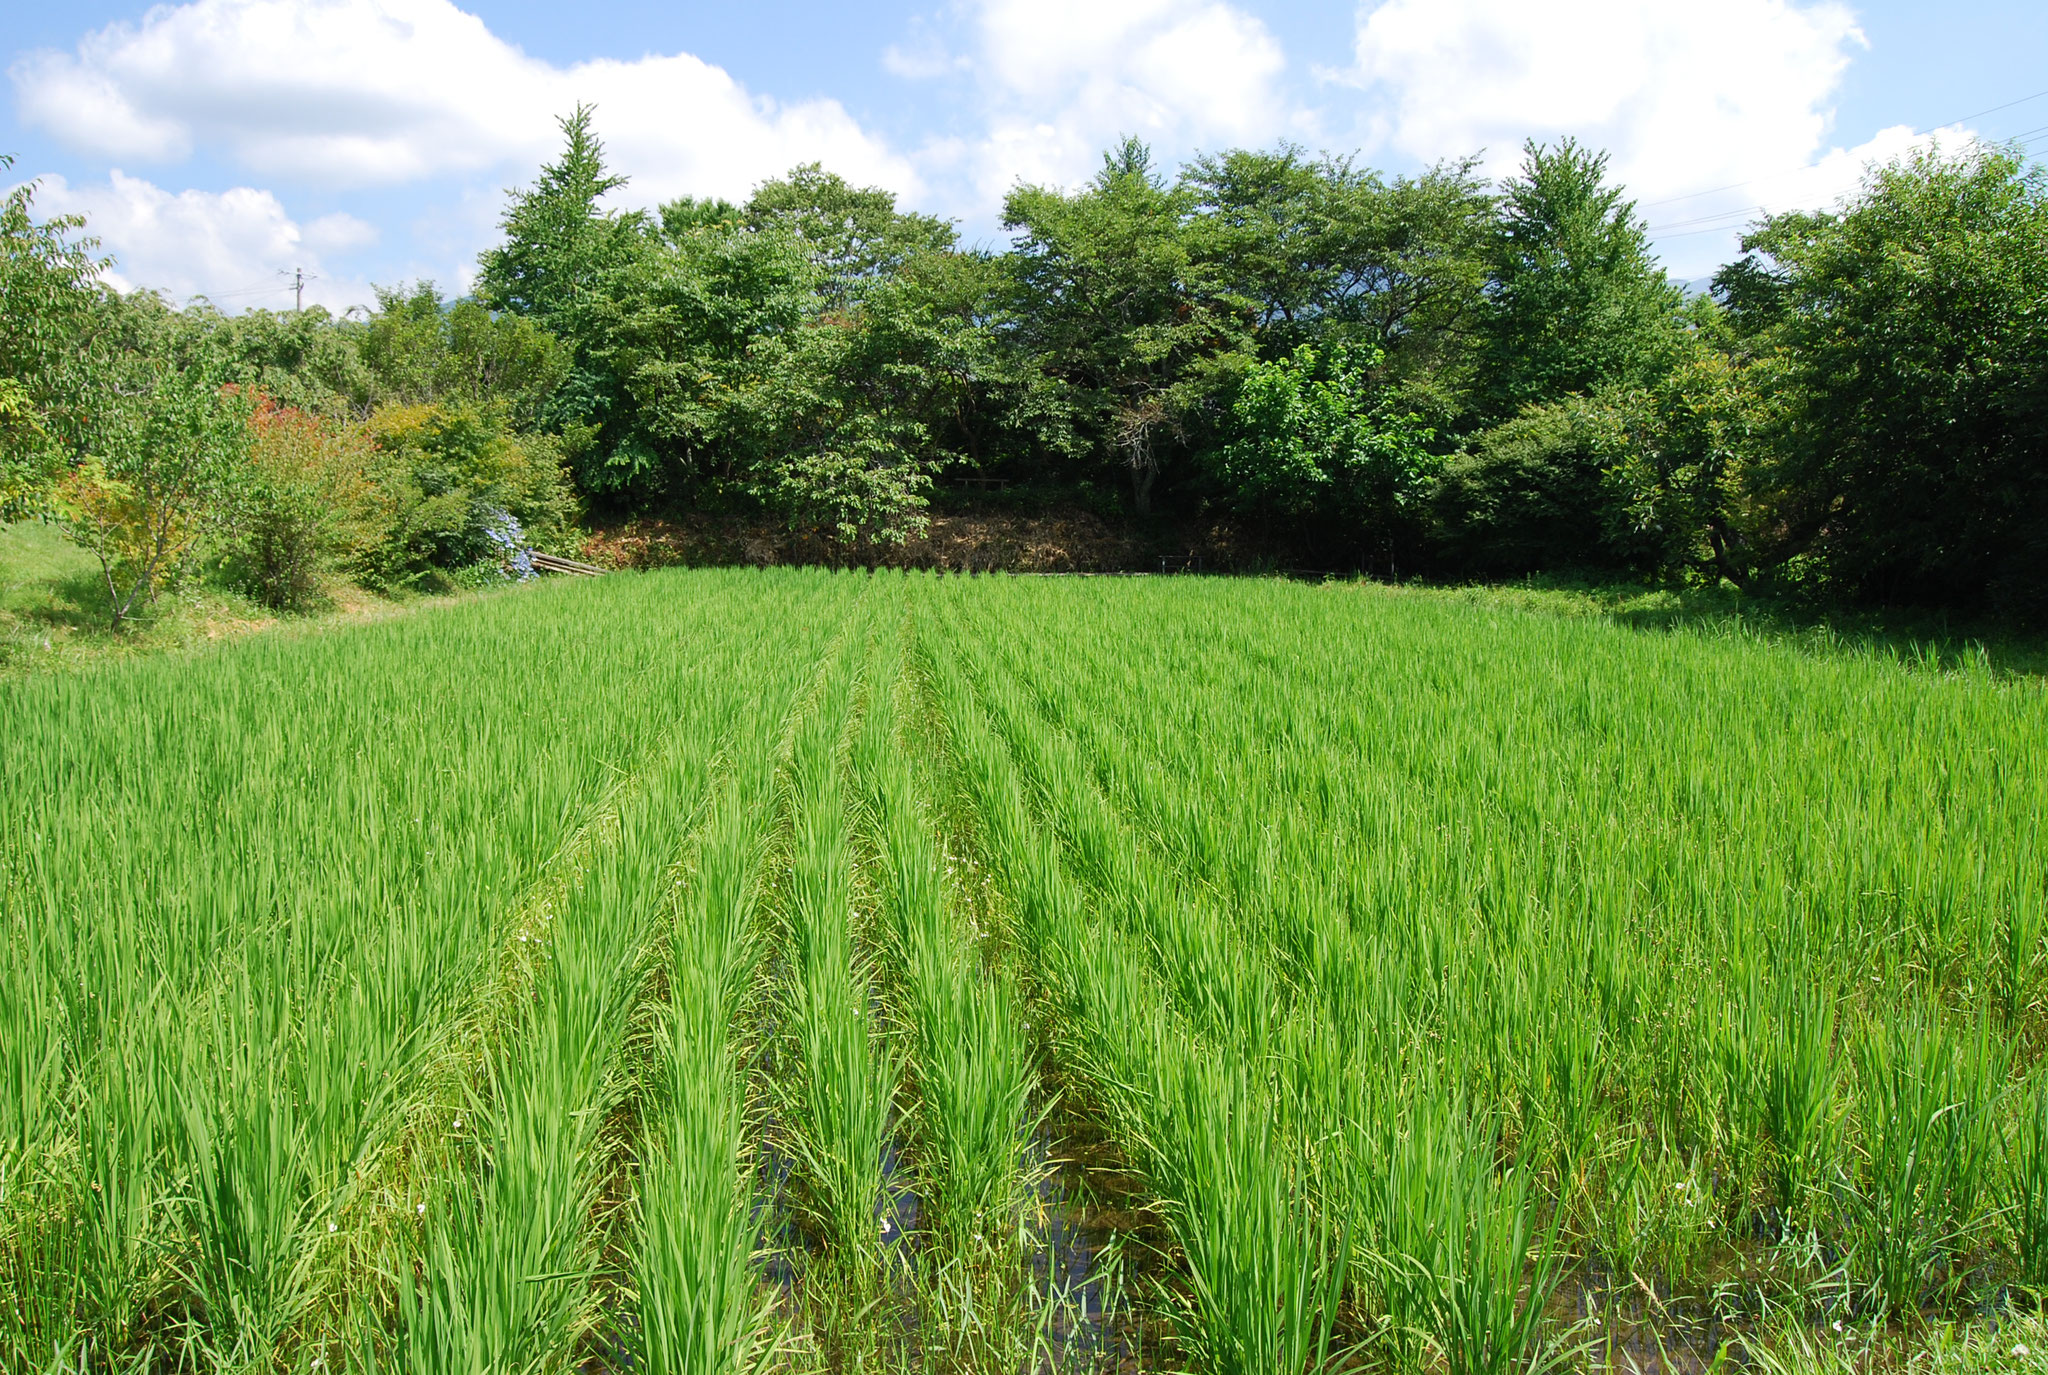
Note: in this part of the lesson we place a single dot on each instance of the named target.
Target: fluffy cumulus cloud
(1712, 113)
(1055, 81)
(234, 246)
(1733, 99)
(1683, 94)
(389, 91)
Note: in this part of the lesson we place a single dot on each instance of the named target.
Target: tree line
(1429, 373)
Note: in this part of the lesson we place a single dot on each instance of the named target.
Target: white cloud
(1058, 80)
(1683, 95)
(362, 92)
(1724, 98)
(235, 246)
(1694, 234)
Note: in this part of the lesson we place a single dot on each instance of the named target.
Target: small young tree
(161, 446)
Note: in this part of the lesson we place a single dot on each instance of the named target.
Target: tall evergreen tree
(560, 265)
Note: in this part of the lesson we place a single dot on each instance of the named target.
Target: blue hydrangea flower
(502, 528)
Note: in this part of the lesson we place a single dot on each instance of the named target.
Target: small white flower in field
(885, 1226)
(1838, 1324)
(421, 1210)
(2019, 1348)
(458, 1124)
(334, 1227)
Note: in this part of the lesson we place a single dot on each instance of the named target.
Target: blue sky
(216, 145)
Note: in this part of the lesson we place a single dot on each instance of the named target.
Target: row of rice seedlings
(834, 1099)
(1261, 1289)
(511, 1246)
(696, 1307)
(272, 1079)
(969, 1056)
(968, 1062)
(1570, 1098)
(696, 1304)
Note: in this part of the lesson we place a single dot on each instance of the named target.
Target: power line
(1792, 171)
(1702, 219)
(267, 289)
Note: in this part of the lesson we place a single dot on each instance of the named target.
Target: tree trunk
(1138, 454)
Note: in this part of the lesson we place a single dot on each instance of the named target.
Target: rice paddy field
(734, 971)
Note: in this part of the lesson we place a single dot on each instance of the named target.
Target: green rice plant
(1927, 1108)
(839, 1108)
(1265, 1269)
(1461, 1264)
(2019, 950)
(253, 1206)
(2028, 1171)
(968, 1057)
(1799, 1098)
(696, 1308)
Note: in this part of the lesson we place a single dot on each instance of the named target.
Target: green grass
(700, 971)
(53, 609)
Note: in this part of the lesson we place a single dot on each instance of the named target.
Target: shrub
(443, 481)
(1532, 491)
(1314, 439)
(300, 503)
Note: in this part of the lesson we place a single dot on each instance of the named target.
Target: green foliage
(162, 445)
(1532, 493)
(50, 323)
(1119, 310)
(560, 267)
(854, 237)
(421, 349)
(1323, 252)
(1313, 438)
(1574, 298)
(443, 480)
(27, 460)
(303, 359)
(1905, 335)
(1425, 373)
(1928, 1100)
(1687, 483)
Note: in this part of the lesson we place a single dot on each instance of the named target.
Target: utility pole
(299, 290)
